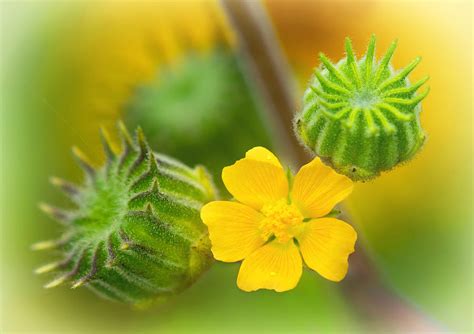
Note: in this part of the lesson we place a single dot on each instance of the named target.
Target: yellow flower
(273, 221)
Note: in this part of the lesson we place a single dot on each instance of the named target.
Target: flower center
(281, 221)
(364, 99)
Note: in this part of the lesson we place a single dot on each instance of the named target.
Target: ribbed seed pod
(136, 234)
(360, 116)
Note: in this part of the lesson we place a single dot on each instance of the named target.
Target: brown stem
(266, 67)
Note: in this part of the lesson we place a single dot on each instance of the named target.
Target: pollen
(281, 221)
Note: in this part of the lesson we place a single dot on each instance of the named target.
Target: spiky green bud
(135, 234)
(361, 116)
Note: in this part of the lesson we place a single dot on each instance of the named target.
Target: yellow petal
(325, 244)
(262, 154)
(317, 188)
(255, 182)
(274, 266)
(233, 229)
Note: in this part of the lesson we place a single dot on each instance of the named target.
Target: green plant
(360, 116)
(200, 110)
(135, 234)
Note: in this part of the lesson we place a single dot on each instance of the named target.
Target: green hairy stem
(361, 116)
(135, 235)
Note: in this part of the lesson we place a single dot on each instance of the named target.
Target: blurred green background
(68, 67)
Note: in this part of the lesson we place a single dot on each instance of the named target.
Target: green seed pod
(360, 116)
(204, 96)
(136, 235)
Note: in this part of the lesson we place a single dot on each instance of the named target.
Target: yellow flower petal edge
(233, 229)
(255, 182)
(317, 188)
(325, 245)
(274, 266)
(262, 154)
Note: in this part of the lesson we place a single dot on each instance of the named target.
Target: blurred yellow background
(416, 219)
(68, 67)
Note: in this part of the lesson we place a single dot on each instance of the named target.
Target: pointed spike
(149, 208)
(385, 61)
(325, 95)
(83, 161)
(79, 283)
(51, 244)
(316, 90)
(332, 85)
(391, 50)
(57, 281)
(422, 95)
(91, 273)
(349, 51)
(405, 90)
(48, 267)
(415, 100)
(141, 141)
(371, 47)
(44, 245)
(395, 112)
(67, 187)
(155, 187)
(106, 143)
(333, 106)
(322, 57)
(407, 70)
(68, 275)
(401, 75)
(55, 213)
(124, 135)
(153, 164)
(110, 252)
(126, 243)
(61, 264)
(352, 61)
(331, 68)
(369, 58)
(420, 82)
(145, 151)
(127, 142)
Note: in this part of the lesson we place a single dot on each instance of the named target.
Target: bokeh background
(174, 67)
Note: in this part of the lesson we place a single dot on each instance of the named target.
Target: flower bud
(361, 116)
(135, 234)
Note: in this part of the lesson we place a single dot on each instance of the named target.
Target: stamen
(280, 221)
